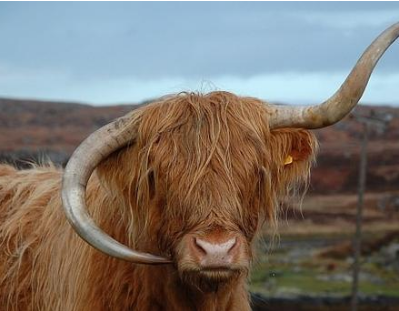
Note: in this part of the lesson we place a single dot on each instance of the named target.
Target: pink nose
(215, 255)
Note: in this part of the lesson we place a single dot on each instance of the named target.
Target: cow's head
(199, 174)
(202, 175)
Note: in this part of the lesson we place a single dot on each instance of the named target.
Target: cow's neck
(166, 290)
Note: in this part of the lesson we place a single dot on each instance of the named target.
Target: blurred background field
(308, 262)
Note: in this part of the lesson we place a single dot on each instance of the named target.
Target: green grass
(274, 277)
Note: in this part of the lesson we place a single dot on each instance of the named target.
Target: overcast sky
(120, 52)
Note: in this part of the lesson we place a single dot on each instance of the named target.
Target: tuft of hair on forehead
(212, 149)
(215, 111)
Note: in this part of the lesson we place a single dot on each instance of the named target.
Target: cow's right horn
(344, 100)
(81, 165)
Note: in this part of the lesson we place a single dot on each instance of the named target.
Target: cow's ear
(293, 146)
(302, 146)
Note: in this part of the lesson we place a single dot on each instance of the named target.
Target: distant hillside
(35, 130)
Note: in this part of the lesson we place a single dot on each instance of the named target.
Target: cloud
(291, 87)
(310, 87)
(348, 20)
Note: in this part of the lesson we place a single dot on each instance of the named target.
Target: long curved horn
(344, 100)
(81, 165)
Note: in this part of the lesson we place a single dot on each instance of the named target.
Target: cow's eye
(151, 184)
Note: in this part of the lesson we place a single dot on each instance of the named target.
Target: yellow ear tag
(288, 160)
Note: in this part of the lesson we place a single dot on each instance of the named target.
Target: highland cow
(187, 182)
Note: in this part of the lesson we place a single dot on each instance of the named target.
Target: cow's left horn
(81, 165)
(345, 99)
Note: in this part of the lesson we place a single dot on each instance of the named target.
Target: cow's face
(203, 176)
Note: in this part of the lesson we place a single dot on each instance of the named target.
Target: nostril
(233, 246)
(199, 247)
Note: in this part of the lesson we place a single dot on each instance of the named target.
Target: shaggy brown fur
(201, 164)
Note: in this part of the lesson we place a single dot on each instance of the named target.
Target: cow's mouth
(211, 278)
(218, 274)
